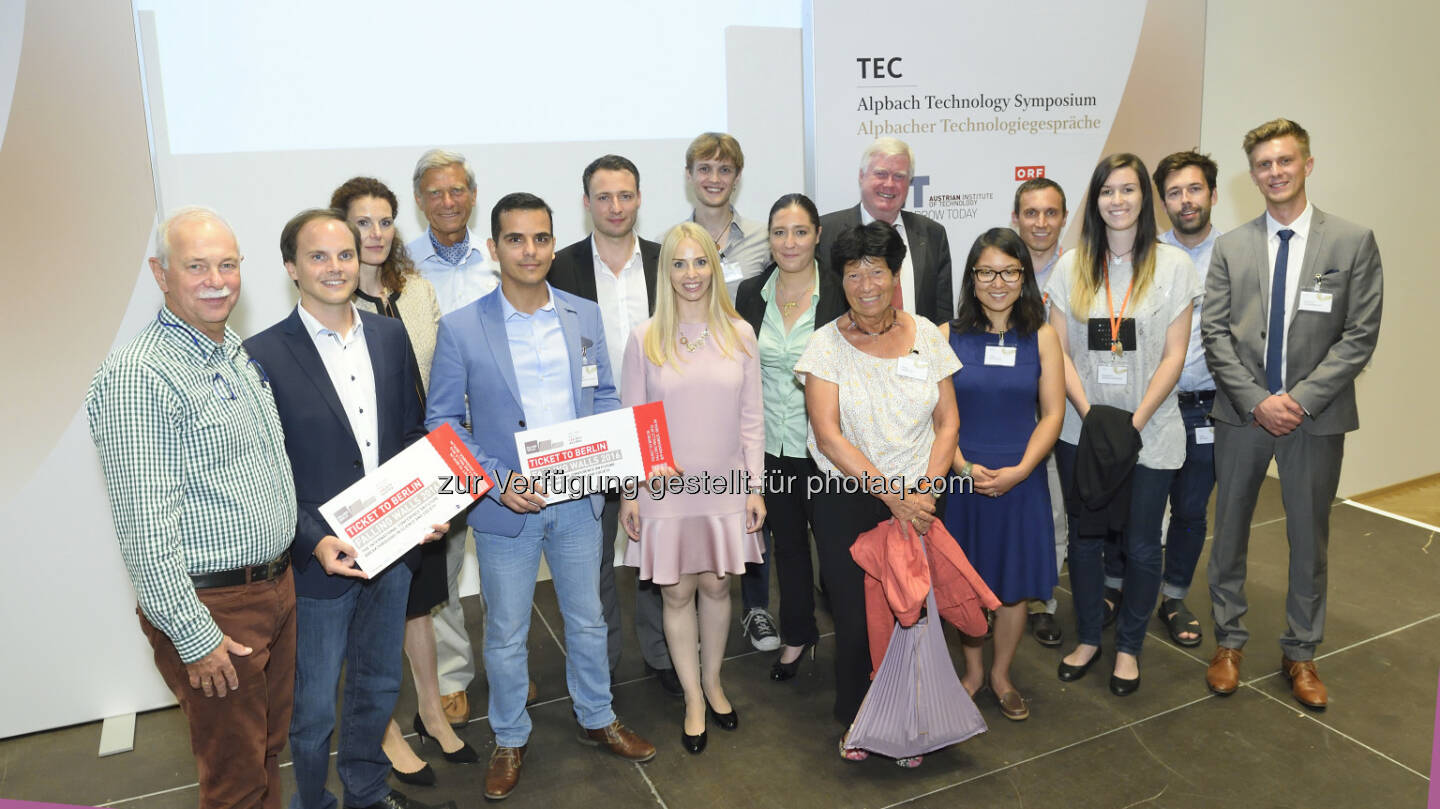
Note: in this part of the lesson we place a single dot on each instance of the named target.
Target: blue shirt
(542, 363)
(1196, 374)
(456, 284)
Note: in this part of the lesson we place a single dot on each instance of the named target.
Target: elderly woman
(784, 304)
(698, 357)
(390, 286)
(882, 425)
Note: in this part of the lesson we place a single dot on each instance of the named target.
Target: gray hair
(439, 159)
(190, 213)
(886, 147)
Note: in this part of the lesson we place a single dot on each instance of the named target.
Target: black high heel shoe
(786, 671)
(726, 721)
(423, 777)
(1069, 674)
(465, 755)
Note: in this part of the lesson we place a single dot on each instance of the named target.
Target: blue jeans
(569, 535)
(1189, 495)
(363, 629)
(1141, 543)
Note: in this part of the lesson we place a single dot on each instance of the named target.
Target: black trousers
(789, 513)
(838, 519)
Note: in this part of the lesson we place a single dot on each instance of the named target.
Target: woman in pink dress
(700, 358)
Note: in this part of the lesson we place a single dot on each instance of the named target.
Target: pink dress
(717, 432)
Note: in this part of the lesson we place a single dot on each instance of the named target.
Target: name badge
(589, 376)
(1204, 435)
(911, 367)
(1312, 301)
(733, 271)
(1112, 374)
(1000, 355)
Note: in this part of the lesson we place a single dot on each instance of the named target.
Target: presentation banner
(989, 94)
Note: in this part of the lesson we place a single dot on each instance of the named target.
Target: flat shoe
(1121, 687)
(1069, 674)
(1013, 706)
(1113, 598)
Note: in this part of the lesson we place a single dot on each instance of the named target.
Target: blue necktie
(1275, 345)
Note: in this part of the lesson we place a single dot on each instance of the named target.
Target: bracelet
(756, 490)
(965, 470)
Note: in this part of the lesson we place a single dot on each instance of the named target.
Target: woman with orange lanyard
(1121, 303)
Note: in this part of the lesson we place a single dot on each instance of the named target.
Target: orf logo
(1028, 172)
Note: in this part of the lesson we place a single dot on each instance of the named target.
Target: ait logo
(1028, 172)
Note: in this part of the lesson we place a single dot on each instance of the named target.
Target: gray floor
(1170, 745)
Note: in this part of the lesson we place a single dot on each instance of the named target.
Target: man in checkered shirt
(204, 509)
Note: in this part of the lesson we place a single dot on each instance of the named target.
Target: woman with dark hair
(882, 418)
(390, 286)
(784, 304)
(1121, 304)
(1012, 369)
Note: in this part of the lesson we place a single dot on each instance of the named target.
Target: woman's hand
(754, 512)
(996, 482)
(630, 518)
(914, 508)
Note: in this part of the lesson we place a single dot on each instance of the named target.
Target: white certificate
(388, 512)
(594, 453)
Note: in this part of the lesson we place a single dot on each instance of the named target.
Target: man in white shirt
(713, 163)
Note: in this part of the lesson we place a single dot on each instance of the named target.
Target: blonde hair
(720, 314)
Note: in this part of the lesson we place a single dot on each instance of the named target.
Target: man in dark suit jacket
(346, 397)
(886, 169)
(614, 267)
(1292, 314)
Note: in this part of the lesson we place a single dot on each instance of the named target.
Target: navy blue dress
(1010, 540)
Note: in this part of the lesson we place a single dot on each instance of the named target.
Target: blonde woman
(700, 358)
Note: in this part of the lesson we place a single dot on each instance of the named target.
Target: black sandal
(1178, 618)
(1112, 605)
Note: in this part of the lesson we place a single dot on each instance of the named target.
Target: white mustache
(210, 294)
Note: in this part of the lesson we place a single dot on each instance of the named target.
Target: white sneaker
(759, 629)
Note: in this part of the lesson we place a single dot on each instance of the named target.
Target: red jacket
(898, 574)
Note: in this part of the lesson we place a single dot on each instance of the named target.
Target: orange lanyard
(1116, 347)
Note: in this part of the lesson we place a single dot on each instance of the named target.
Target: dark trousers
(649, 628)
(1141, 543)
(237, 740)
(839, 519)
(788, 518)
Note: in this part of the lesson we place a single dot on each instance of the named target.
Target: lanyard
(1116, 347)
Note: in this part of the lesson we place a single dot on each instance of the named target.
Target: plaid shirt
(195, 466)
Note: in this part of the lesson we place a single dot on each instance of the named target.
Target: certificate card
(388, 512)
(595, 453)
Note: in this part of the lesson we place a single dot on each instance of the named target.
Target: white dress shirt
(623, 299)
(907, 267)
(1294, 272)
(347, 361)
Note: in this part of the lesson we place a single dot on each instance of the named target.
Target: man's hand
(440, 529)
(630, 519)
(754, 512)
(1279, 414)
(214, 673)
(526, 502)
(337, 557)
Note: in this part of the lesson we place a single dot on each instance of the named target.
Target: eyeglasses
(1010, 275)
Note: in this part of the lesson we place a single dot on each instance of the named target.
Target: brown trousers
(237, 739)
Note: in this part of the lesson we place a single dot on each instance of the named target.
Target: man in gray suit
(1292, 313)
(886, 168)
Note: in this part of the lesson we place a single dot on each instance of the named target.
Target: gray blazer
(1326, 351)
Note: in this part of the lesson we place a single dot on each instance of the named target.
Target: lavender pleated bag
(916, 703)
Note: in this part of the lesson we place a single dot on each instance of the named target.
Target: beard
(1198, 226)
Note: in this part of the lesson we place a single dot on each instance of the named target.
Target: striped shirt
(195, 467)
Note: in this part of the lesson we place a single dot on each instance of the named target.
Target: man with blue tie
(530, 356)
(346, 399)
(1291, 317)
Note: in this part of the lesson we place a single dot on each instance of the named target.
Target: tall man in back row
(1292, 314)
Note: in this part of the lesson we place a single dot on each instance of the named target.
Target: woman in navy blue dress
(1010, 392)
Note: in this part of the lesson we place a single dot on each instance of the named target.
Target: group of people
(808, 353)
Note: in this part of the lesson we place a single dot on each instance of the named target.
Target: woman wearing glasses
(1121, 304)
(390, 286)
(1011, 369)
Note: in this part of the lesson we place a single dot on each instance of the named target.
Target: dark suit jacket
(322, 448)
(929, 255)
(751, 305)
(1325, 350)
(573, 270)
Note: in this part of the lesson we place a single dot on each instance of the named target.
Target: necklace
(694, 346)
(893, 320)
(786, 307)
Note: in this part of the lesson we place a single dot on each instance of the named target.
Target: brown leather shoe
(503, 773)
(457, 708)
(1012, 705)
(1223, 676)
(1305, 683)
(532, 694)
(620, 740)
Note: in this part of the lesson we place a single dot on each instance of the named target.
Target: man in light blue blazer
(529, 356)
